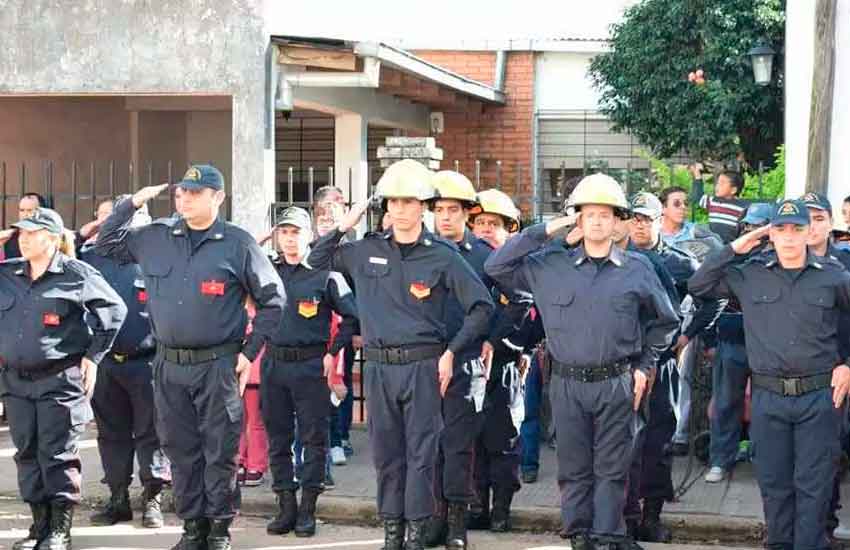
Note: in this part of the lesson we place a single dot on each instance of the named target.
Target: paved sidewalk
(729, 512)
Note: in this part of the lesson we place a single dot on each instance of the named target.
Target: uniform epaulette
(442, 241)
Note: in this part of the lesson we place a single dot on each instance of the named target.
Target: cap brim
(191, 184)
(290, 221)
(793, 220)
(29, 225)
(648, 213)
(817, 207)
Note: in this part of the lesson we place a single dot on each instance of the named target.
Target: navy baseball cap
(790, 211)
(42, 218)
(199, 176)
(758, 213)
(817, 201)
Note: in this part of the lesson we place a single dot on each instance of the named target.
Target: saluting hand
(554, 225)
(6, 234)
(640, 381)
(352, 217)
(145, 194)
(748, 241)
(243, 371)
(840, 384)
(445, 368)
(89, 371)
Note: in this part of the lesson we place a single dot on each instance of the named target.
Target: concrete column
(350, 154)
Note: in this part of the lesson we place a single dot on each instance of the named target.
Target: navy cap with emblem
(790, 211)
(817, 201)
(42, 218)
(199, 176)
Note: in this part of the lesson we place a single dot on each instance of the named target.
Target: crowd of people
(212, 362)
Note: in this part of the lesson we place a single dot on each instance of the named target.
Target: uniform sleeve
(106, 312)
(475, 300)
(342, 302)
(116, 239)
(508, 320)
(708, 310)
(266, 289)
(843, 299)
(660, 323)
(328, 254)
(712, 278)
(506, 265)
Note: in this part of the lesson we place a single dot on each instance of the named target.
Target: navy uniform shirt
(42, 321)
(126, 279)
(842, 255)
(402, 295)
(790, 320)
(593, 315)
(196, 294)
(313, 295)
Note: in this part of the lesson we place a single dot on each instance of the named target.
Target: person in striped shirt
(725, 209)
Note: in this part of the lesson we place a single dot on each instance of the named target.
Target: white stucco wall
(562, 83)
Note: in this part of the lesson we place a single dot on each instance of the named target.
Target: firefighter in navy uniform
(651, 478)
(791, 301)
(405, 279)
(58, 319)
(607, 318)
(198, 273)
(497, 452)
(295, 372)
(123, 397)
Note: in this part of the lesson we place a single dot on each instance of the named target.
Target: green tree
(645, 88)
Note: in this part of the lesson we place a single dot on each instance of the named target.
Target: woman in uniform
(58, 318)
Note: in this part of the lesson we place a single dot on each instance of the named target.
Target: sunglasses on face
(679, 203)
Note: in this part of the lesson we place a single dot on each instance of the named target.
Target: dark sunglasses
(678, 203)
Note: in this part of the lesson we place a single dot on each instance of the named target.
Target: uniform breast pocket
(562, 304)
(425, 288)
(374, 277)
(308, 307)
(157, 280)
(765, 299)
(7, 301)
(626, 314)
(55, 311)
(821, 304)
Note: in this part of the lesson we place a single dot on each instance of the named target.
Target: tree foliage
(644, 84)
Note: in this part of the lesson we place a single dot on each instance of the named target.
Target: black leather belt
(404, 355)
(591, 374)
(304, 353)
(792, 387)
(122, 358)
(54, 367)
(195, 356)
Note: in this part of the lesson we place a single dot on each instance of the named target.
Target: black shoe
(529, 477)
(436, 530)
(116, 510)
(500, 519)
(456, 537)
(219, 537)
(152, 516)
(284, 522)
(393, 534)
(580, 542)
(194, 537)
(677, 449)
(38, 530)
(305, 524)
(415, 535)
(59, 534)
(478, 518)
(651, 529)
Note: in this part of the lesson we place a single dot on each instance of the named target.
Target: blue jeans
(729, 375)
(530, 430)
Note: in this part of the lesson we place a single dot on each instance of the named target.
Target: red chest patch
(142, 296)
(212, 288)
(51, 320)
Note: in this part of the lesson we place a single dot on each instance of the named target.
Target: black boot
(479, 512)
(436, 528)
(39, 528)
(152, 516)
(651, 528)
(59, 535)
(284, 522)
(194, 537)
(393, 534)
(456, 538)
(580, 541)
(116, 510)
(415, 532)
(305, 524)
(219, 537)
(500, 521)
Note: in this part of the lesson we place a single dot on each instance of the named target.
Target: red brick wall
(496, 132)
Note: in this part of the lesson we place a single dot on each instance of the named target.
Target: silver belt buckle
(792, 387)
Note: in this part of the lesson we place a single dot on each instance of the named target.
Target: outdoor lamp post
(762, 60)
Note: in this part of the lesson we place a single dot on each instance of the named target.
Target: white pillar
(799, 60)
(350, 156)
(839, 161)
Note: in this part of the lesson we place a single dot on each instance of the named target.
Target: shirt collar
(466, 241)
(425, 237)
(616, 256)
(811, 261)
(214, 232)
(56, 265)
